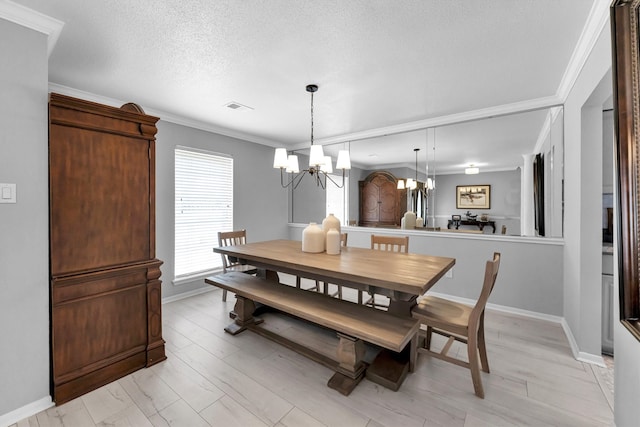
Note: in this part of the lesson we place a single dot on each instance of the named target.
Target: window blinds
(203, 206)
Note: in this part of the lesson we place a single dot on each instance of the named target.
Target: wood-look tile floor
(211, 378)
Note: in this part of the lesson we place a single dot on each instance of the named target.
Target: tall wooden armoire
(381, 203)
(106, 319)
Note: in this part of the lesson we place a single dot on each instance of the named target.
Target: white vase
(330, 222)
(333, 242)
(313, 239)
(409, 220)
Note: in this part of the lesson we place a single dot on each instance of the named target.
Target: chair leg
(474, 364)
(224, 295)
(482, 347)
(427, 338)
(339, 291)
(359, 297)
(298, 282)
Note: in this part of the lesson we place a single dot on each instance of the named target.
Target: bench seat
(353, 322)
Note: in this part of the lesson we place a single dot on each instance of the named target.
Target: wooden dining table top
(409, 273)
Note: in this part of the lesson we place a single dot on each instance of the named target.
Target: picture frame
(473, 196)
(626, 98)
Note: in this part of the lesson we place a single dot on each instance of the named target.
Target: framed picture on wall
(473, 196)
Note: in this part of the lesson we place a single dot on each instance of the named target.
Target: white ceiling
(379, 63)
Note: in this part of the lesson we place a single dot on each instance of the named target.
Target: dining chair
(459, 322)
(385, 243)
(232, 238)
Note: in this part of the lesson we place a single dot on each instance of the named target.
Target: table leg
(389, 368)
(243, 309)
(351, 365)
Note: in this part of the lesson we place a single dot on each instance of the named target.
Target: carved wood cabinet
(105, 289)
(381, 203)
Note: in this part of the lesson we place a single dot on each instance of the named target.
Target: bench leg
(243, 309)
(413, 355)
(351, 365)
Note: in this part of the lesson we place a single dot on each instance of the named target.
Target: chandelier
(320, 166)
(411, 183)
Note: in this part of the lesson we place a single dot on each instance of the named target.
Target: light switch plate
(7, 193)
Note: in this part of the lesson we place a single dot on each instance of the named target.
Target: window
(337, 198)
(204, 206)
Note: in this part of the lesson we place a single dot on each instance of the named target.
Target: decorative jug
(333, 242)
(313, 239)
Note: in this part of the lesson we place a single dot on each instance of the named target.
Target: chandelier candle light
(320, 166)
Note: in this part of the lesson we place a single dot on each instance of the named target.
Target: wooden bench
(353, 323)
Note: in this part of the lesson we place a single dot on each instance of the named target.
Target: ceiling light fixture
(320, 166)
(471, 170)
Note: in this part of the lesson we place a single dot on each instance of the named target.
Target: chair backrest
(490, 275)
(231, 238)
(390, 243)
(343, 239)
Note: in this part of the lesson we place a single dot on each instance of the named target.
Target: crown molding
(34, 20)
(598, 18)
(467, 116)
(163, 115)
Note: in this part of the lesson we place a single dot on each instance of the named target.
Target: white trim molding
(188, 294)
(34, 20)
(598, 17)
(164, 116)
(26, 411)
(594, 359)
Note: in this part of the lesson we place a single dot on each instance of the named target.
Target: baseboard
(503, 308)
(26, 411)
(594, 359)
(188, 294)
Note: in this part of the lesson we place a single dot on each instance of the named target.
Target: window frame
(226, 224)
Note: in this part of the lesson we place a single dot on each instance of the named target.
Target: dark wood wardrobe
(106, 319)
(381, 203)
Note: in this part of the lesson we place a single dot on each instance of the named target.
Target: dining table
(402, 277)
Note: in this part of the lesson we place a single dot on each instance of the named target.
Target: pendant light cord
(311, 118)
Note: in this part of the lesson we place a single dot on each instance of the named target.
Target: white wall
(530, 277)
(583, 175)
(260, 205)
(24, 231)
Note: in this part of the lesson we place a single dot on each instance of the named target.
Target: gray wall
(24, 232)
(505, 198)
(260, 205)
(530, 275)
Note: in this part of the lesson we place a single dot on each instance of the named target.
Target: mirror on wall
(502, 149)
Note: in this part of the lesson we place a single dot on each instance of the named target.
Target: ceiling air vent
(237, 106)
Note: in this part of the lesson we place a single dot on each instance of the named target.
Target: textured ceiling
(378, 63)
